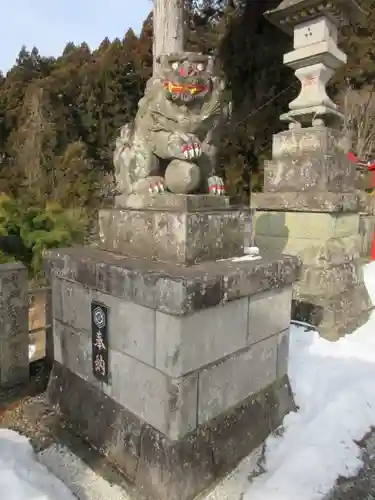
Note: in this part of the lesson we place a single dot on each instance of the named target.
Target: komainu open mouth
(192, 89)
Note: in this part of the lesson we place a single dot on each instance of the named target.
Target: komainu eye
(175, 65)
(200, 66)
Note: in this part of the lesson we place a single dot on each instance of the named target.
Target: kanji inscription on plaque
(99, 328)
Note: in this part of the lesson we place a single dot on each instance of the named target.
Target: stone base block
(174, 202)
(330, 293)
(305, 225)
(310, 159)
(175, 228)
(170, 358)
(334, 315)
(158, 467)
(334, 251)
(170, 288)
(302, 201)
(310, 173)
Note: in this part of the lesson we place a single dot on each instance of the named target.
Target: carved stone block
(179, 234)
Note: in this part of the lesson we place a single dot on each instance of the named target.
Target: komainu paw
(152, 185)
(216, 185)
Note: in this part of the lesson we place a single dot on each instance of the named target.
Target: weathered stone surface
(229, 382)
(132, 326)
(262, 323)
(323, 141)
(334, 251)
(182, 176)
(72, 348)
(330, 280)
(367, 202)
(163, 469)
(85, 482)
(175, 202)
(75, 304)
(169, 288)
(306, 225)
(329, 247)
(310, 172)
(97, 418)
(170, 405)
(330, 292)
(14, 324)
(304, 201)
(283, 354)
(186, 343)
(367, 232)
(184, 238)
(335, 315)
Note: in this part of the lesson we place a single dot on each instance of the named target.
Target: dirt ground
(26, 410)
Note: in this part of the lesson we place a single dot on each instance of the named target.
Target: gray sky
(50, 24)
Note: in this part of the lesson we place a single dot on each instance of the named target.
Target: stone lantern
(315, 56)
(310, 206)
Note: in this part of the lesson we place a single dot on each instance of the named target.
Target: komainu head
(187, 77)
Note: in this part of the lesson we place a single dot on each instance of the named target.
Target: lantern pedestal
(310, 208)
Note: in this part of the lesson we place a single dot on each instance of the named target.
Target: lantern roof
(293, 12)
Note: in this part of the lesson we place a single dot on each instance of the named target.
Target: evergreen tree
(31, 144)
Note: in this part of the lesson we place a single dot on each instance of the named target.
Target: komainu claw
(216, 186)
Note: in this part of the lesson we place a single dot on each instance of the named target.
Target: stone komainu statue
(173, 141)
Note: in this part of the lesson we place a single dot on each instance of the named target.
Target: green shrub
(33, 229)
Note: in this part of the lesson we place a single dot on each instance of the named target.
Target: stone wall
(14, 331)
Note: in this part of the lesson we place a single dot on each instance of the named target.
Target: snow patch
(21, 476)
(251, 253)
(333, 384)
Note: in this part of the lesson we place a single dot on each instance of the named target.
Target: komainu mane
(173, 141)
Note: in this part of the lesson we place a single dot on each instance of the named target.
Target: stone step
(85, 483)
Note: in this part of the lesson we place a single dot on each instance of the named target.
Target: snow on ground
(334, 388)
(21, 476)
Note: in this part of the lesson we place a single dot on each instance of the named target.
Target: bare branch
(359, 120)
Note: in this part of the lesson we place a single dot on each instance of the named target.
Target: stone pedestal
(14, 325)
(310, 208)
(171, 229)
(197, 367)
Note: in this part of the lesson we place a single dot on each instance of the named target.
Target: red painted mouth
(174, 88)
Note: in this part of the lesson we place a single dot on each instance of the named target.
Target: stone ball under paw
(182, 177)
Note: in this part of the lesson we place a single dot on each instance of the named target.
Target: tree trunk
(169, 28)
